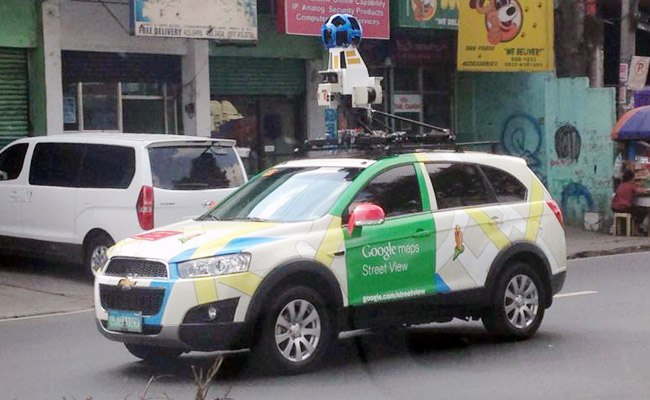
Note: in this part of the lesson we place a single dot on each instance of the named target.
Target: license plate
(124, 321)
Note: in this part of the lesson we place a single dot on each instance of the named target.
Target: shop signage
(233, 21)
(428, 51)
(407, 103)
(510, 36)
(432, 14)
(623, 71)
(638, 72)
(305, 17)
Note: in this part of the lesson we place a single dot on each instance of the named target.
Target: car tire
(517, 303)
(95, 252)
(153, 354)
(296, 330)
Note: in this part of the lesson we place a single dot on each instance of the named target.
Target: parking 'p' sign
(638, 73)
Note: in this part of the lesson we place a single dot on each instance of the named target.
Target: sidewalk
(582, 243)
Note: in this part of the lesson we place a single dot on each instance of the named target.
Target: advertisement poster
(225, 20)
(407, 103)
(305, 17)
(431, 14)
(508, 36)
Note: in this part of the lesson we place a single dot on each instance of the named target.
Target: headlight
(214, 266)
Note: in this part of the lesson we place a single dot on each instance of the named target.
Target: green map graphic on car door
(391, 261)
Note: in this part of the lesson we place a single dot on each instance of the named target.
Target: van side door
(49, 212)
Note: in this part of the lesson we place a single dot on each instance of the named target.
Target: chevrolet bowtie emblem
(126, 284)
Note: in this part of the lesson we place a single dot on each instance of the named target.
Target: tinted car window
(458, 185)
(11, 161)
(109, 167)
(506, 187)
(195, 167)
(397, 191)
(56, 164)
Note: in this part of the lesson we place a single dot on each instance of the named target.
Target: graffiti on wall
(567, 144)
(522, 137)
(576, 200)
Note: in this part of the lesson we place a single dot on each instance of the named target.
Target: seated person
(623, 201)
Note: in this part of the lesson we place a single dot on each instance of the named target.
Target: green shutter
(256, 76)
(14, 95)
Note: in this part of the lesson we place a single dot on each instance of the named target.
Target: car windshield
(286, 195)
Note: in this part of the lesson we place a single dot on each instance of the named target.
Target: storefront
(121, 92)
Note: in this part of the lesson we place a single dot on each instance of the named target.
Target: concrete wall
(18, 27)
(506, 108)
(560, 126)
(580, 152)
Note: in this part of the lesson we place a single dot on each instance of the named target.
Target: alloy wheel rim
(98, 258)
(521, 301)
(297, 330)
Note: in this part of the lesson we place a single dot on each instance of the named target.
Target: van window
(11, 161)
(195, 167)
(506, 187)
(107, 167)
(56, 164)
(458, 185)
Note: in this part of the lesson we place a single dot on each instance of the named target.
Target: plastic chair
(629, 223)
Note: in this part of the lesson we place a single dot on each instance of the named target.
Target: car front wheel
(517, 306)
(296, 331)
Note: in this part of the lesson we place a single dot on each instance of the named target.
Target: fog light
(212, 313)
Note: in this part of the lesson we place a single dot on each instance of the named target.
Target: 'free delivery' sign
(305, 17)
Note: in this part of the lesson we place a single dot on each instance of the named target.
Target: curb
(610, 252)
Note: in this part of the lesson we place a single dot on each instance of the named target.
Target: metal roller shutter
(14, 95)
(256, 76)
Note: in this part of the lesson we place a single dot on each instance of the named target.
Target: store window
(133, 107)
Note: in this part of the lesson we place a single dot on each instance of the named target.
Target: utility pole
(628, 48)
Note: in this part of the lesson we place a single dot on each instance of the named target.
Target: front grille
(136, 267)
(145, 299)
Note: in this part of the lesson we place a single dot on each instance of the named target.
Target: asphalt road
(592, 345)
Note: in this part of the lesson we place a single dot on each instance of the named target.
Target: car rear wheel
(153, 353)
(95, 252)
(517, 306)
(296, 331)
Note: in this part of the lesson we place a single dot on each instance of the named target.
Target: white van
(72, 196)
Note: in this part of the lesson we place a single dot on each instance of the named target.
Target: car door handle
(421, 233)
(495, 221)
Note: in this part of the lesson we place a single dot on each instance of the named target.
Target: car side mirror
(365, 214)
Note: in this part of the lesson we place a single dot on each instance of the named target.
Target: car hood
(188, 240)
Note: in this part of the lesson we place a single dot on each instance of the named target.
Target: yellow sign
(506, 35)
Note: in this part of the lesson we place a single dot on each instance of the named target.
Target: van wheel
(95, 252)
(153, 353)
(296, 331)
(517, 306)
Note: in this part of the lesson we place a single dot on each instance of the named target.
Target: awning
(633, 125)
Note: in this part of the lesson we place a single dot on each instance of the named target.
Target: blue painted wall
(560, 126)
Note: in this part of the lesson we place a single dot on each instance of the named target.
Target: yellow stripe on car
(331, 242)
(489, 227)
(213, 247)
(206, 290)
(536, 210)
(246, 282)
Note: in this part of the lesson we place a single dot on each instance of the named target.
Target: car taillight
(556, 210)
(144, 208)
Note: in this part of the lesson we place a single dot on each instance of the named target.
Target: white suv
(72, 196)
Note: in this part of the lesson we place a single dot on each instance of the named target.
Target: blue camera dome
(341, 30)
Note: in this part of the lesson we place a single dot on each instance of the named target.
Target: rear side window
(396, 190)
(11, 161)
(507, 188)
(107, 167)
(458, 185)
(56, 164)
(195, 167)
